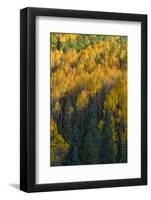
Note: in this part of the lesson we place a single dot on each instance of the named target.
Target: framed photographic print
(83, 99)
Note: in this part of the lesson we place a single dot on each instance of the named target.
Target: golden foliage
(83, 66)
(82, 99)
(59, 147)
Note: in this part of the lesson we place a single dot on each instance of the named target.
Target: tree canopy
(88, 99)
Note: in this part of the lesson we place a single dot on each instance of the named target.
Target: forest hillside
(88, 99)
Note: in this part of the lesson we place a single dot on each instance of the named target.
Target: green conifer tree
(90, 154)
(74, 155)
(107, 149)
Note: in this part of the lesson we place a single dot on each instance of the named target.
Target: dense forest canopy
(88, 99)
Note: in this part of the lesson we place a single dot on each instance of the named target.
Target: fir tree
(107, 149)
(74, 155)
(91, 143)
(67, 122)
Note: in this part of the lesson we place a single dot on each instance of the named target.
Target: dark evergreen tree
(67, 122)
(107, 149)
(90, 153)
(124, 155)
(74, 155)
(59, 44)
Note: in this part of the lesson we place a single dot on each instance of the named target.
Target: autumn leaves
(88, 99)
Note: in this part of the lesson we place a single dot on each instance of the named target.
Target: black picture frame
(28, 98)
